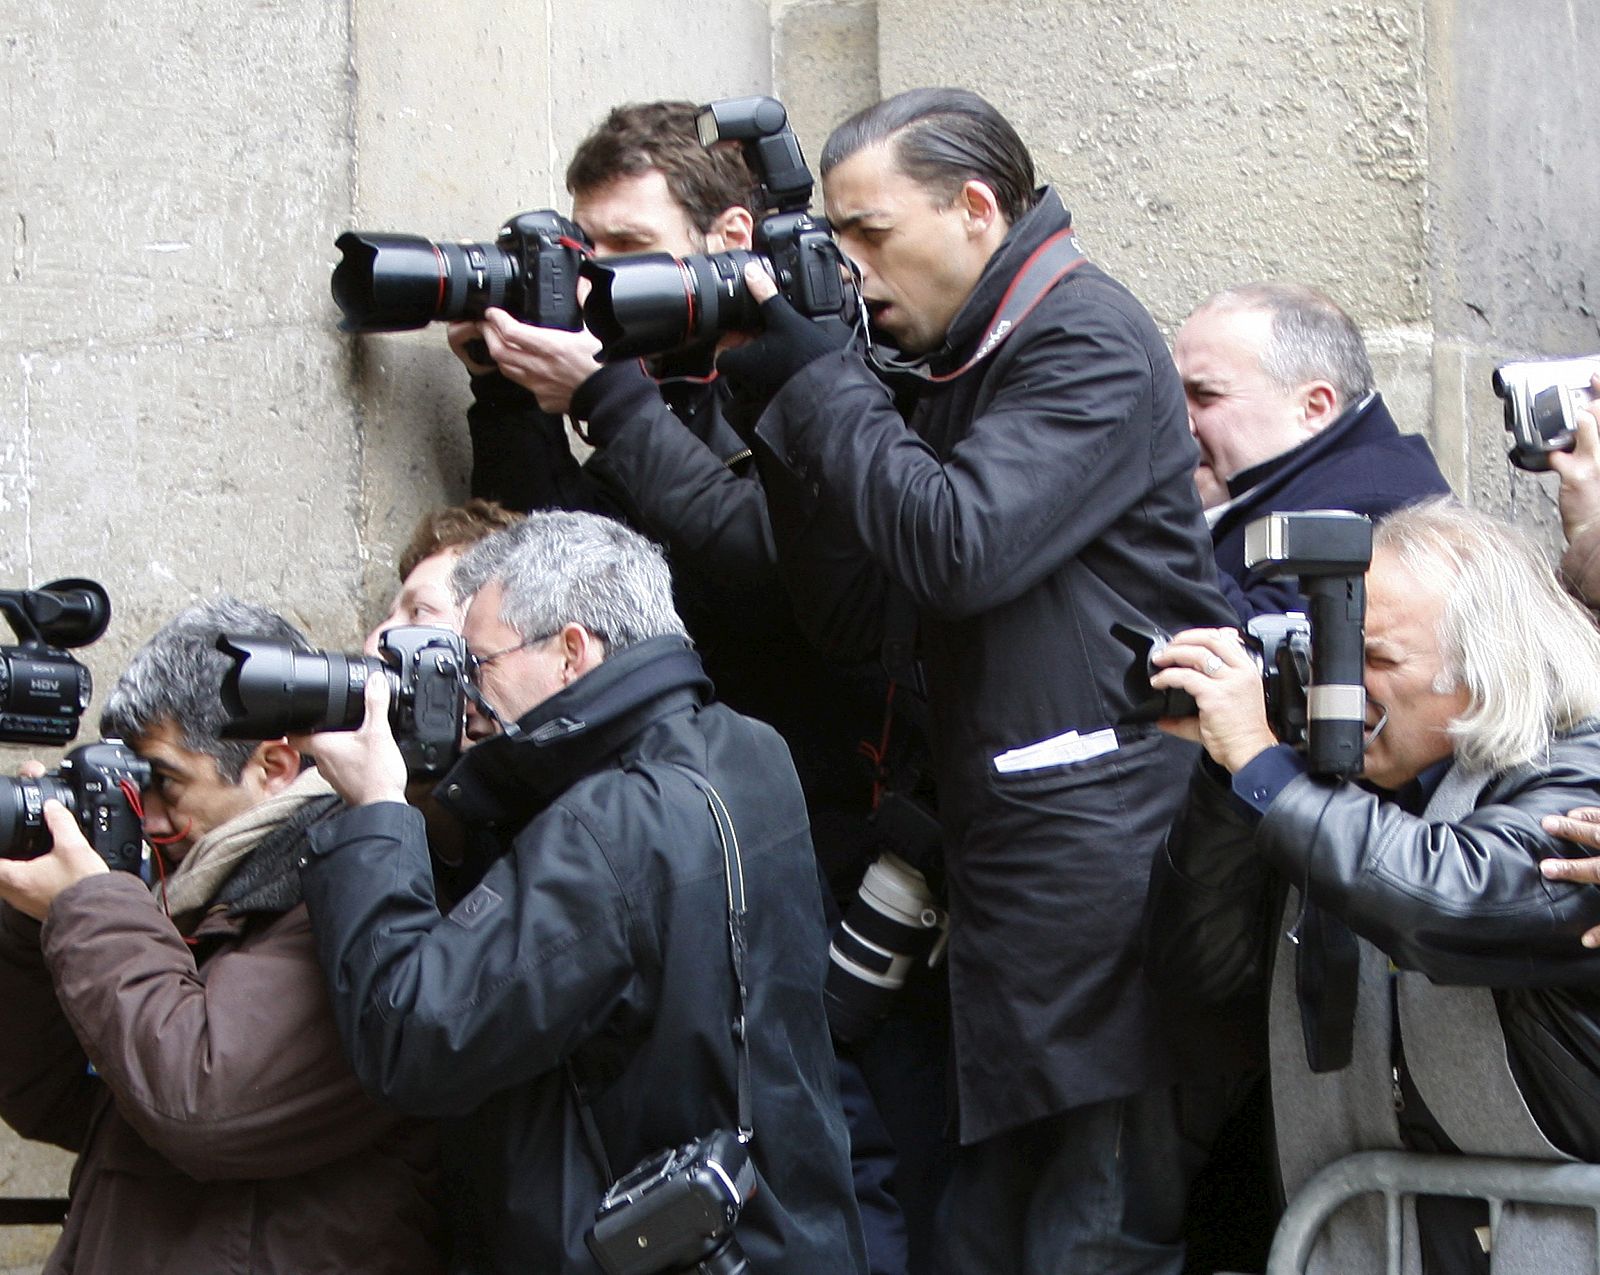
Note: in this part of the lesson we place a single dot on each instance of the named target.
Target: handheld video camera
(100, 785)
(1541, 400)
(676, 1211)
(650, 303)
(393, 283)
(43, 690)
(274, 689)
(1311, 667)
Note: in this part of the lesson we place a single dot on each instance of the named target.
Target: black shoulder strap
(1051, 262)
(733, 867)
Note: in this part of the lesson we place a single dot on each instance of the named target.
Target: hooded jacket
(1017, 511)
(218, 1125)
(595, 952)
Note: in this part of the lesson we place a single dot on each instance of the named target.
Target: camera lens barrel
(22, 831)
(652, 302)
(393, 283)
(892, 924)
(275, 690)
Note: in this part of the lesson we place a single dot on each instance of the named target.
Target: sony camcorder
(274, 689)
(100, 784)
(1541, 400)
(1311, 665)
(393, 283)
(651, 303)
(43, 690)
(676, 1211)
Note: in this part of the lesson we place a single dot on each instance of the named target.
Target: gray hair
(177, 677)
(1309, 339)
(1526, 651)
(557, 568)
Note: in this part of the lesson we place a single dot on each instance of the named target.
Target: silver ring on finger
(1212, 664)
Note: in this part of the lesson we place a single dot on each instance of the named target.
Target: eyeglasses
(477, 663)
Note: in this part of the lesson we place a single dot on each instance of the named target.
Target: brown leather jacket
(220, 1129)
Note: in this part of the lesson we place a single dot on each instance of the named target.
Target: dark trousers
(1098, 1190)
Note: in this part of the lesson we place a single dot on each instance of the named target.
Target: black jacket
(668, 463)
(1018, 511)
(599, 940)
(1463, 903)
(1361, 462)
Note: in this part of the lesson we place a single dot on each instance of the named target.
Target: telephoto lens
(648, 303)
(892, 924)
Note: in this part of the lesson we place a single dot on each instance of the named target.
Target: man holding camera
(1482, 685)
(668, 463)
(580, 1009)
(996, 497)
(181, 1042)
(1282, 403)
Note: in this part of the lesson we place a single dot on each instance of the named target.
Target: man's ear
(279, 763)
(980, 207)
(581, 652)
(733, 228)
(1319, 403)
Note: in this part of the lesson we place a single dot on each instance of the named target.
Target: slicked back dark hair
(640, 136)
(941, 139)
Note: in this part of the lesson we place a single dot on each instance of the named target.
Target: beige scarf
(217, 855)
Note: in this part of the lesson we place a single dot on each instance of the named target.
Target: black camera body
(1311, 665)
(99, 784)
(676, 1211)
(394, 283)
(651, 303)
(1541, 398)
(274, 689)
(44, 692)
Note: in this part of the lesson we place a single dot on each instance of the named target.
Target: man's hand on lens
(763, 364)
(363, 766)
(1579, 496)
(468, 345)
(1213, 666)
(31, 885)
(549, 362)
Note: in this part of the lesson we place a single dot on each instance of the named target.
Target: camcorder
(676, 1211)
(43, 690)
(652, 303)
(394, 283)
(100, 784)
(1541, 401)
(274, 689)
(1311, 664)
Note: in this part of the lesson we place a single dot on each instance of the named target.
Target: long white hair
(1526, 651)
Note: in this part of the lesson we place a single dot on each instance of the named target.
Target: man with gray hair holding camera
(640, 969)
(1482, 683)
(181, 1041)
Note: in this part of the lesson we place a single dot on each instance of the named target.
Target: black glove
(759, 369)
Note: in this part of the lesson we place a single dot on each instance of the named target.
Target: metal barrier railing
(1397, 1174)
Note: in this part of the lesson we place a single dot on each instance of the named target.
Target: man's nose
(157, 821)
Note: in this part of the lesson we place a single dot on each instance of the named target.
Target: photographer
(181, 1041)
(1026, 485)
(1482, 680)
(668, 463)
(574, 1012)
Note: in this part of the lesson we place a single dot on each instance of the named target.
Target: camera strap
(733, 870)
(1051, 262)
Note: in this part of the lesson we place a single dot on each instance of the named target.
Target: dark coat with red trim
(1018, 511)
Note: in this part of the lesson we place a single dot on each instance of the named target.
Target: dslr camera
(100, 784)
(274, 689)
(1311, 665)
(652, 303)
(43, 690)
(676, 1211)
(1541, 400)
(393, 283)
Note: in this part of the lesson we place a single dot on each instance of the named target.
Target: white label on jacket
(1058, 750)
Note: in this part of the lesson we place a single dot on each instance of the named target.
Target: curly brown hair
(454, 527)
(641, 136)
